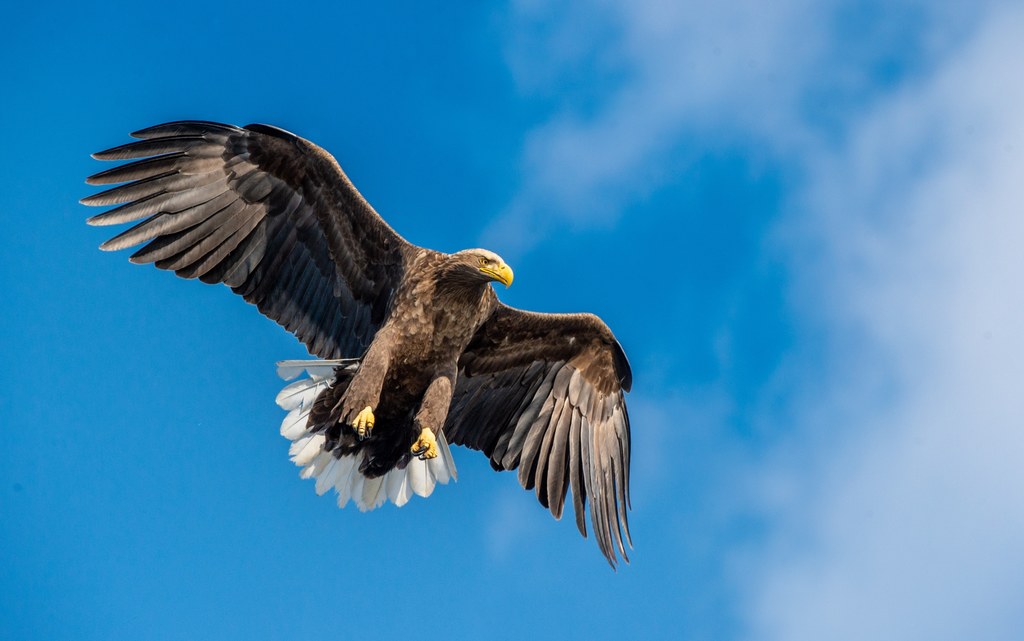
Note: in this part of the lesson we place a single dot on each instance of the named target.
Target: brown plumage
(273, 216)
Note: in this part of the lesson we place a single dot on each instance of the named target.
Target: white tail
(398, 486)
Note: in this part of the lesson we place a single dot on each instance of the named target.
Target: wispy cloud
(674, 73)
(646, 87)
(912, 526)
(893, 505)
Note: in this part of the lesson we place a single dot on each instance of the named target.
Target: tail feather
(420, 477)
(373, 497)
(342, 473)
(306, 448)
(356, 488)
(398, 487)
(344, 484)
(325, 480)
(324, 369)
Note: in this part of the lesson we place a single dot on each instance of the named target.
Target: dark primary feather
(265, 212)
(543, 393)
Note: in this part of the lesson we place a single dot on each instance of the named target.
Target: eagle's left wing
(544, 393)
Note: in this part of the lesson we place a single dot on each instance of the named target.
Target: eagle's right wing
(266, 212)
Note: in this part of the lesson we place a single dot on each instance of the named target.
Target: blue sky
(802, 220)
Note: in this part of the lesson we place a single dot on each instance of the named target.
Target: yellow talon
(426, 445)
(363, 422)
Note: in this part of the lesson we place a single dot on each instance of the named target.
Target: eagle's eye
(484, 261)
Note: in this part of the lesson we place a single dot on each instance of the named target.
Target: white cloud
(645, 87)
(913, 526)
(896, 508)
(671, 70)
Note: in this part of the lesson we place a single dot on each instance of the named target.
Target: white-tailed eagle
(418, 351)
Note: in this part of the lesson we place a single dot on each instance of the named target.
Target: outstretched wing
(269, 214)
(544, 393)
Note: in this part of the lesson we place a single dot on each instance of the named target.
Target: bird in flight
(416, 351)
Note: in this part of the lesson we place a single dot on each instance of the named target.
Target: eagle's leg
(433, 411)
(363, 422)
(425, 446)
(363, 392)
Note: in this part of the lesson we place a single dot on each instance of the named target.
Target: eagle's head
(479, 266)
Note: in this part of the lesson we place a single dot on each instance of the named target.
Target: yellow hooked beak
(501, 273)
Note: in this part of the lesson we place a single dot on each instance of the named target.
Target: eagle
(414, 349)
